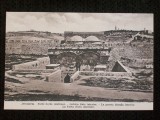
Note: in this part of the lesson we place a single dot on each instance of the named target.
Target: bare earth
(73, 89)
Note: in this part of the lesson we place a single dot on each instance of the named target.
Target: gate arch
(89, 58)
(65, 58)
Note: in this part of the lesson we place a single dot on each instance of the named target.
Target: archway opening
(66, 58)
(88, 60)
(67, 78)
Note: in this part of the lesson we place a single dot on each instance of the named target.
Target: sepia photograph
(74, 58)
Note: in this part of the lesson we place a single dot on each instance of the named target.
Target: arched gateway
(86, 56)
(67, 78)
(72, 59)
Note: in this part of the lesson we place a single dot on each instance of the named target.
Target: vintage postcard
(79, 61)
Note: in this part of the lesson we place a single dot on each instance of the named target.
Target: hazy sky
(60, 22)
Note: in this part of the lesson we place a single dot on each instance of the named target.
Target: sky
(58, 22)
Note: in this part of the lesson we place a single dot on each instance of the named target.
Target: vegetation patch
(122, 83)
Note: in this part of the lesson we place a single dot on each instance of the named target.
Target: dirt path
(85, 91)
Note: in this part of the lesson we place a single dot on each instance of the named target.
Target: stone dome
(76, 38)
(92, 38)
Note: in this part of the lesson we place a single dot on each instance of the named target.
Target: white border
(76, 105)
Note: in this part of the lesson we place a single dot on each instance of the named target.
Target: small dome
(76, 38)
(92, 38)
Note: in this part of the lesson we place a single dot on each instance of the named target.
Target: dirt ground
(38, 89)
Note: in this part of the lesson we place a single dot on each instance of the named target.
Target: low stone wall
(37, 70)
(118, 70)
(40, 63)
(101, 74)
(54, 77)
(74, 76)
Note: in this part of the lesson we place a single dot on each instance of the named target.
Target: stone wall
(37, 70)
(118, 70)
(139, 63)
(30, 44)
(74, 76)
(40, 63)
(105, 74)
(54, 77)
(136, 52)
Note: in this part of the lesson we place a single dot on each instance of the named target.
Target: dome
(92, 38)
(76, 38)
